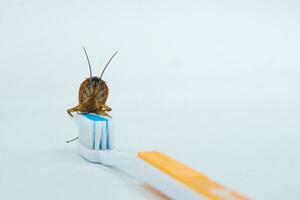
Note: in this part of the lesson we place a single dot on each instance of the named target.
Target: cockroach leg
(68, 141)
(102, 112)
(106, 107)
(69, 111)
(79, 108)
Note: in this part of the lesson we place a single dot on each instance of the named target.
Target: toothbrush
(173, 178)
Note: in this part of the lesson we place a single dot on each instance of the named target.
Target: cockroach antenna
(87, 57)
(107, 64)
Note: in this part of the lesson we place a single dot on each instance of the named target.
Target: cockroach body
(93, 93)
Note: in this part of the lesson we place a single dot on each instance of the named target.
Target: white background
(214, 84)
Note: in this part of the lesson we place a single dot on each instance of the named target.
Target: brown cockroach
(93, 93)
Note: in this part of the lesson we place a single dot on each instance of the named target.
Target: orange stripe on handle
(189, 177)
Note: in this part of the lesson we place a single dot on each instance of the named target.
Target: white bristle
(95, 131)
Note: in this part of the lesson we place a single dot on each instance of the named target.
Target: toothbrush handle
(189, 177)
(171, 177)
(168, 175)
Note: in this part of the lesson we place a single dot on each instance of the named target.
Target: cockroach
(93, 93)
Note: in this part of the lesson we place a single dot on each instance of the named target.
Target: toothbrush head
(95, 131)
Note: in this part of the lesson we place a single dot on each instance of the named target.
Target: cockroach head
(95, 81)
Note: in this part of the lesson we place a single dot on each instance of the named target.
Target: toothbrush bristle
(95, 131)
